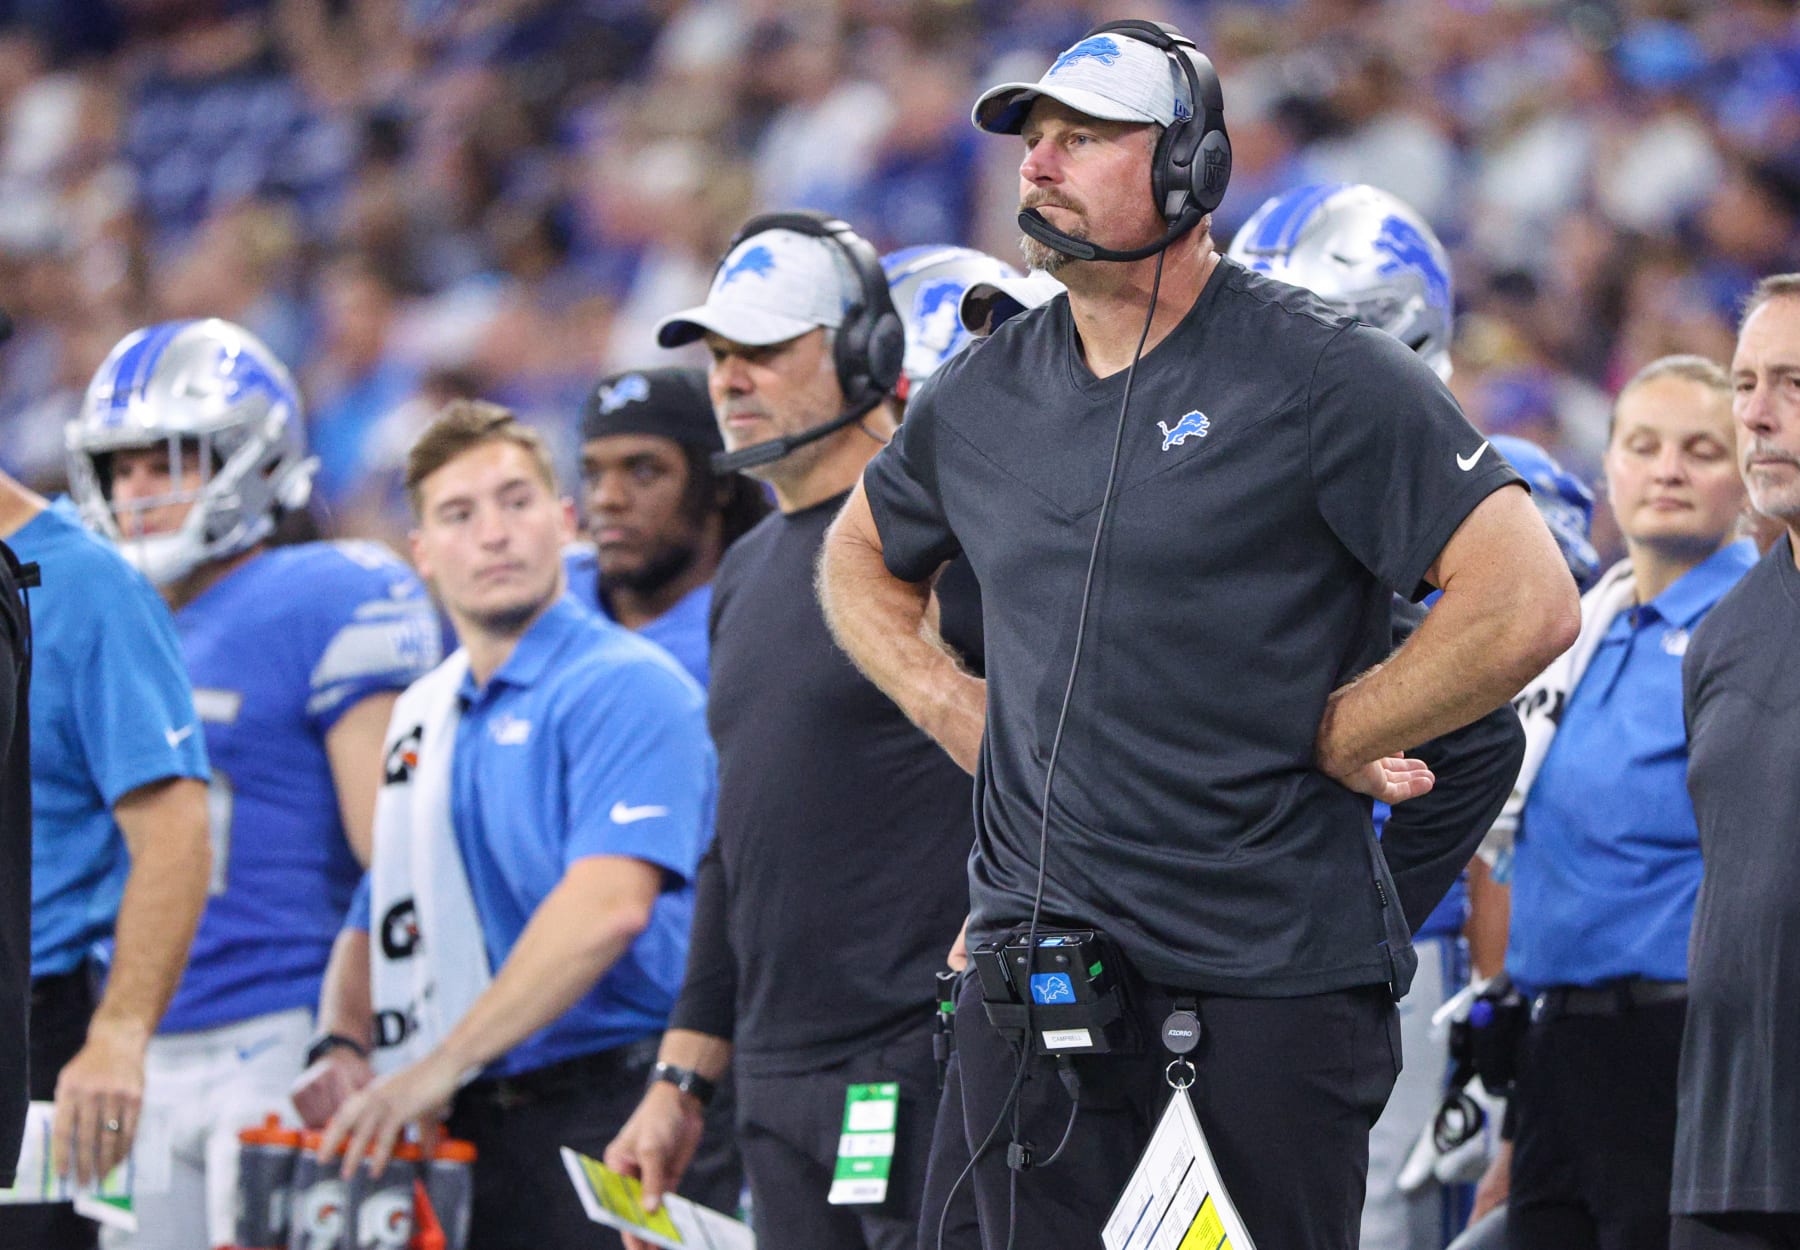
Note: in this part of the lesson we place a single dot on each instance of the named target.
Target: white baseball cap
(774, 286)
(1113, 77)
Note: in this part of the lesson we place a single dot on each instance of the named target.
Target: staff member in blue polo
(1607, 857)
(119, 841)
(548, 792)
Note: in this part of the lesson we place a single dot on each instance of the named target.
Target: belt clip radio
(1076, 986)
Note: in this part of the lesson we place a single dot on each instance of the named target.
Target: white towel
(429, 967)
(1540, 704)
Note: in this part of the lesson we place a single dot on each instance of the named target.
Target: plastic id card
(1175, 1200)
(617, 1201)
(866, 1149)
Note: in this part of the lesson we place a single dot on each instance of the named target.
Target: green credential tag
(866, 1148)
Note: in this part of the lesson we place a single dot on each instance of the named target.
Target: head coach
(1188, 493)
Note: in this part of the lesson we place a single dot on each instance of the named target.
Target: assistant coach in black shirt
(837, 879)
(1282, 472)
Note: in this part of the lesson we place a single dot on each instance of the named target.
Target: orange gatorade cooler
(266, 1158)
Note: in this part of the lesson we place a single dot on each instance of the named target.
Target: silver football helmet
(927, 285)
(1363, 252)
(206, 386)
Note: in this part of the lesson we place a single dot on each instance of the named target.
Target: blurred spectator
(353, 381)
(213, 118)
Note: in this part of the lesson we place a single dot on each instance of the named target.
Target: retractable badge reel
(1175, 1195)
(1180, 1035)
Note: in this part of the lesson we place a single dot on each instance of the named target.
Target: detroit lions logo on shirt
(1194, 425)
(1099, 48)
(631, 389)
(1406, 248)
(758, 261)
(510, 731)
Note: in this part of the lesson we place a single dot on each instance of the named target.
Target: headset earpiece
(1192, 162)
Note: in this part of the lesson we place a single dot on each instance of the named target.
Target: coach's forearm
(1444, 678)
(165, 829)
(1509, 607)
(884, 625)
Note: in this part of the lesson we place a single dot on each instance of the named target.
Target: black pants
(1287, 1090)
(523, 1197)
(1594, 1135)
(948, 1181)
(788, 1130)
(1737, 1230)
(61, 1007)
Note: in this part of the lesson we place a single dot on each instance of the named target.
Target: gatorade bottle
(378, 1210)
(266, 1157)
(316, 1215)
(450, 1182)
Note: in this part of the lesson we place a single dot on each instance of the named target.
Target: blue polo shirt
(587, 741)
(681, 631)
(111, 710)
(1607, 861)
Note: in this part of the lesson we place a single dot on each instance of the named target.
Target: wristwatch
(685, 1080)
(325, 1043)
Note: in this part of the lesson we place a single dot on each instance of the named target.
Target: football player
(186, 452)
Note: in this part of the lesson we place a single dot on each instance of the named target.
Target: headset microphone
(775, 448)
(1033, 223)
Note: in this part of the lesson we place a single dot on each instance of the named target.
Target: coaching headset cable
(1017, 1156)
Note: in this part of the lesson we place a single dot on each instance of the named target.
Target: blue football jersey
(278, 650)
(681, 631)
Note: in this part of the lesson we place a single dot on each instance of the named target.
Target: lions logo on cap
(759, 261)
(633, 388)
(1099, 48)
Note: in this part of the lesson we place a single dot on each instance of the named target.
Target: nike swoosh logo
(1465, 463)
(246, 1053)
(625, 814)
(178, 736)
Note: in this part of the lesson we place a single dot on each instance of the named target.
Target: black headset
(1192, 163)
(870, 344)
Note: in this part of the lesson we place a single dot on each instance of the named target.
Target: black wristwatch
(325, 1043)
(686, 1080)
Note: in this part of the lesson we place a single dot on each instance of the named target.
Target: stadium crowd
(401, 275)
(406, 198)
